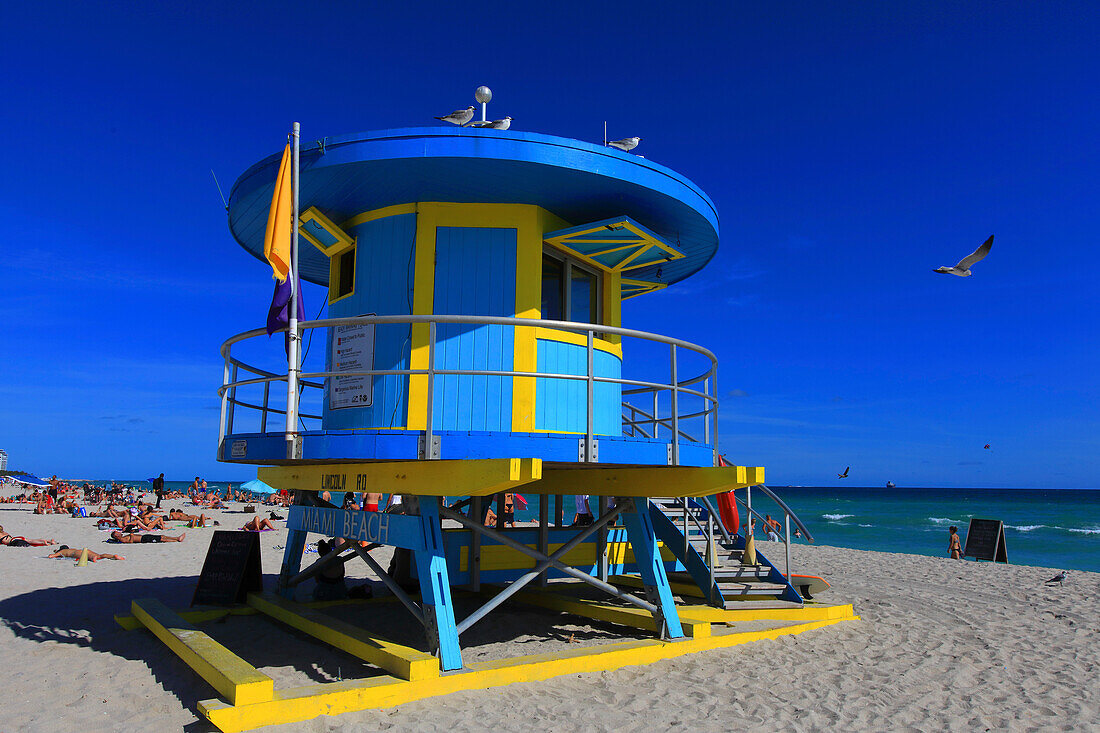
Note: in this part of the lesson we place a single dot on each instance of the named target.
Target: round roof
(578, 181)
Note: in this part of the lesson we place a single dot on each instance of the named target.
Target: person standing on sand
(953, 545)
(158, 488)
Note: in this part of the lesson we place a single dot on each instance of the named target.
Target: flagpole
(293, 367)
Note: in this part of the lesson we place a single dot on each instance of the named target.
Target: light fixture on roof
(483, 95)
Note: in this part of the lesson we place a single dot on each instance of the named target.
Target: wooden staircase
(737, 585)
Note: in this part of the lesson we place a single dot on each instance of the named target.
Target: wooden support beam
(647, 481)
(480, 477)
(625, 615)
(236, 679)
(401, 661)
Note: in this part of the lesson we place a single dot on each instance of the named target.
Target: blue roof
(578, 181)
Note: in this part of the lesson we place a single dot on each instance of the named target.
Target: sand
(943, 644)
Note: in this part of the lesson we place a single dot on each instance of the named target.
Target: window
(570, 290)
(342, 275)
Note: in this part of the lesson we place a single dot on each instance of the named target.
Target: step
(733, 588)
(760, 572)
(760, 604)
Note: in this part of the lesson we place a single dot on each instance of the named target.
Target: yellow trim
(577, 339)
(239, 681)
(334, 274)
(334, 698)
(502, 557)
(399, 660)
(644, 286)
(645, 242)
(695, 628)
(644, 481)
(385, 211)
(478, 477)
(343, 239)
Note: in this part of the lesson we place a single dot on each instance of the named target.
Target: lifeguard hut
(474, 345)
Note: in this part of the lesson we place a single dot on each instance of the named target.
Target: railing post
(706, 409)
(222, 428)
(712, 556)
(588, 447)
(787, 541)
(684, 502)
(601, 542)
(675, 408)
(230, 408)
(656, 424)
(263, 417)
(748, 503)
(430, 419)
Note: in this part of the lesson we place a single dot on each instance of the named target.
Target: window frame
(568, 263)
(334, 273)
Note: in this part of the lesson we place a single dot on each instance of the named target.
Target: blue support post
(643, 540)
(435, 588)
(292, 560)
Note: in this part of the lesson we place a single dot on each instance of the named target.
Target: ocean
(1057, 528)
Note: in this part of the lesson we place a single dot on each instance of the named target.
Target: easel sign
(231, 570)
(985, 540)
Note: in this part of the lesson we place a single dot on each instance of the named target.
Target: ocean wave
(1092, 530)
(866, 525)
(1025, 528)
(835, 517)
(944, 520)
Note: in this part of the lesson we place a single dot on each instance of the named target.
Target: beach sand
(942, 644)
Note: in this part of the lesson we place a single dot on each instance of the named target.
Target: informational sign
(238, 449)
(352, 351)
(231, 570)
(985, 540)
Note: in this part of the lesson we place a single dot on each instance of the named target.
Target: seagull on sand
(459, 116)
(626, 144)
(845, 474)
(493, 124)
(963, 268)
(1058, 578)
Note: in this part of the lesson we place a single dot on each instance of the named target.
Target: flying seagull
(626, 144)
(963, 268)
(493, 124)
(845, 474)
(987, 446)
(459, 116)
(1057, 578)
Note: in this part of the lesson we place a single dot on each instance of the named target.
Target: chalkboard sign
(985, 540)
(231, 570)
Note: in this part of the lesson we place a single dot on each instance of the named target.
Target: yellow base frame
(335, 698)
(247, 706)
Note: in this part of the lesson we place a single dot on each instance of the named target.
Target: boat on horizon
(890, 485)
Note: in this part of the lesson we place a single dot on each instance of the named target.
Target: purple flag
(278, 315)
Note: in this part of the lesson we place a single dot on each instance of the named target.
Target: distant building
(3, 460)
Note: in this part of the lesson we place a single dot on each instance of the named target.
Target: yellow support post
(401, 661)
(236, 679)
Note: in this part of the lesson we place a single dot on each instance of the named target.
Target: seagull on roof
(493, 124)
(963, 268)
(459, 116)
(626, 144)
(1058, 578)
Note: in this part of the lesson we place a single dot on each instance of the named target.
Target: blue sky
(850, 149)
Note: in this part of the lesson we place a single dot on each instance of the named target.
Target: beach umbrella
(257, 486)
(31, 480)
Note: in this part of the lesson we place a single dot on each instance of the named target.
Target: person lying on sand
(258, 525)
(134, 539)
(66, 551)
(16, 541)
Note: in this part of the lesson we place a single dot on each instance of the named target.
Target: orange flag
(279, 221)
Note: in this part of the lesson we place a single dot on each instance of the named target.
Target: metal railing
(639, 422)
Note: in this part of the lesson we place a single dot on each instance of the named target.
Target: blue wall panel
(560, 404)
(475, 274)
(383, 286)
